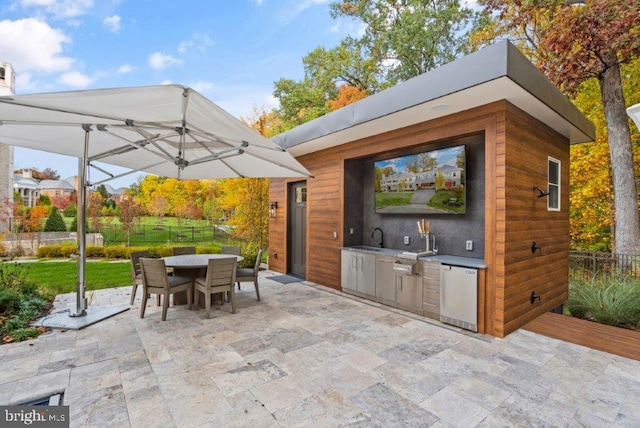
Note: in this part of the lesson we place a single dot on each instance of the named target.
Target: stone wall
(22, 245)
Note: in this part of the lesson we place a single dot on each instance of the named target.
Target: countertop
(439, 258)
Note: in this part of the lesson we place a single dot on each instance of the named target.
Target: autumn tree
(128, 211)
(158, 206)
(181, 209)
(421, 162)
(210, 205)
(61, 201)
(263, 121)
(94, 209)
(33, 223)
(346, 95)
(46, 174)
(248, 199)
(578, 43)
(592, 203)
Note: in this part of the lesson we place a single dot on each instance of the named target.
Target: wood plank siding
(516, 151)
(523, 218)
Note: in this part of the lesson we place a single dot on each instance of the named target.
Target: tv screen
(430, 182)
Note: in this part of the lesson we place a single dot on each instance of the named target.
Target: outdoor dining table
(191, 266)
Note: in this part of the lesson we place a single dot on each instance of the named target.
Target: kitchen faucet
(381, 235)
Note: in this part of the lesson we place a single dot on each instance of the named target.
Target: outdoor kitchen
(445, 196)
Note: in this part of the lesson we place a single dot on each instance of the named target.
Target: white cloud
(59, 8)
(200, 41)
(159, 60)
(126, 68)
(75, 79)
(40, 47)
(259, 2)
(166, 82)
(112, 23)
(25, 83)
(184, 46)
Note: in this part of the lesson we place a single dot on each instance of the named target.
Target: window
(553, 200)
(301, 195)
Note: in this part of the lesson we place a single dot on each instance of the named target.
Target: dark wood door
(297, 229)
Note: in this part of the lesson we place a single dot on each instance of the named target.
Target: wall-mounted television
(429, 182)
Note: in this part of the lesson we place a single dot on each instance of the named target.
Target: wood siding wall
(516, 151)
(522, 218)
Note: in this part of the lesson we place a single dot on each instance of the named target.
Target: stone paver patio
(310, 356)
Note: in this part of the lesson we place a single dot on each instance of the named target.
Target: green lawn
(392, 199)
(61, 277)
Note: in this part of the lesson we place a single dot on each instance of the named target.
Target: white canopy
(167, 130)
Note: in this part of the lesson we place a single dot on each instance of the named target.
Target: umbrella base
(66, 321)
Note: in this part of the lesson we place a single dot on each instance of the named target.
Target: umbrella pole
(81, 301)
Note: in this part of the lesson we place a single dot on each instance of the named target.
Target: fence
(144, 234)
(599, 262)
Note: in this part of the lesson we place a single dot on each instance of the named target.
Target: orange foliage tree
(346, 95)
(578, 43)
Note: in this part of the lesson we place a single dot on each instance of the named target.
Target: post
(81, 301)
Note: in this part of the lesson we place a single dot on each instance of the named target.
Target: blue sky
(230, 51)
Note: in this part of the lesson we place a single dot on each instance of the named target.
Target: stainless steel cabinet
(459, 296)
(359, 272)
(385, 280)
(409, 292)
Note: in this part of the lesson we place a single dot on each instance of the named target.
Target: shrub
(607, 299)
(70, 211)
(54, 251)
(9, 301)
(54, 222)
(21, 302)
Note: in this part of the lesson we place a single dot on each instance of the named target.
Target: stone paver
(310, 356)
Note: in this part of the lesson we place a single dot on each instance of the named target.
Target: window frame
(550, 185)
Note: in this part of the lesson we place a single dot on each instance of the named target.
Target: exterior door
(297, 230)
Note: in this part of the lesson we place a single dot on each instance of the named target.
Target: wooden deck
(614, 340)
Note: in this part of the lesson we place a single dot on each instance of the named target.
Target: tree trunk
(627, 224)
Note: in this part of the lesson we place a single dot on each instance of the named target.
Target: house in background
(28, 188)
(59, 188)
(115, 194)
(516, 128)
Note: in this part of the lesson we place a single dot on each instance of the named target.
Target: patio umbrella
(167, 130)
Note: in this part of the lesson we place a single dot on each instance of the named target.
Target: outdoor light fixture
(272, 209)
(542, 192)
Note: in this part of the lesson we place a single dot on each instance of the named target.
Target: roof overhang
(498, 72)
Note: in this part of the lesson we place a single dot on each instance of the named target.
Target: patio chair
(179, 251)
(220, 278)
(250, 274)
(156, 281)
(230, 250)
(136, 273)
